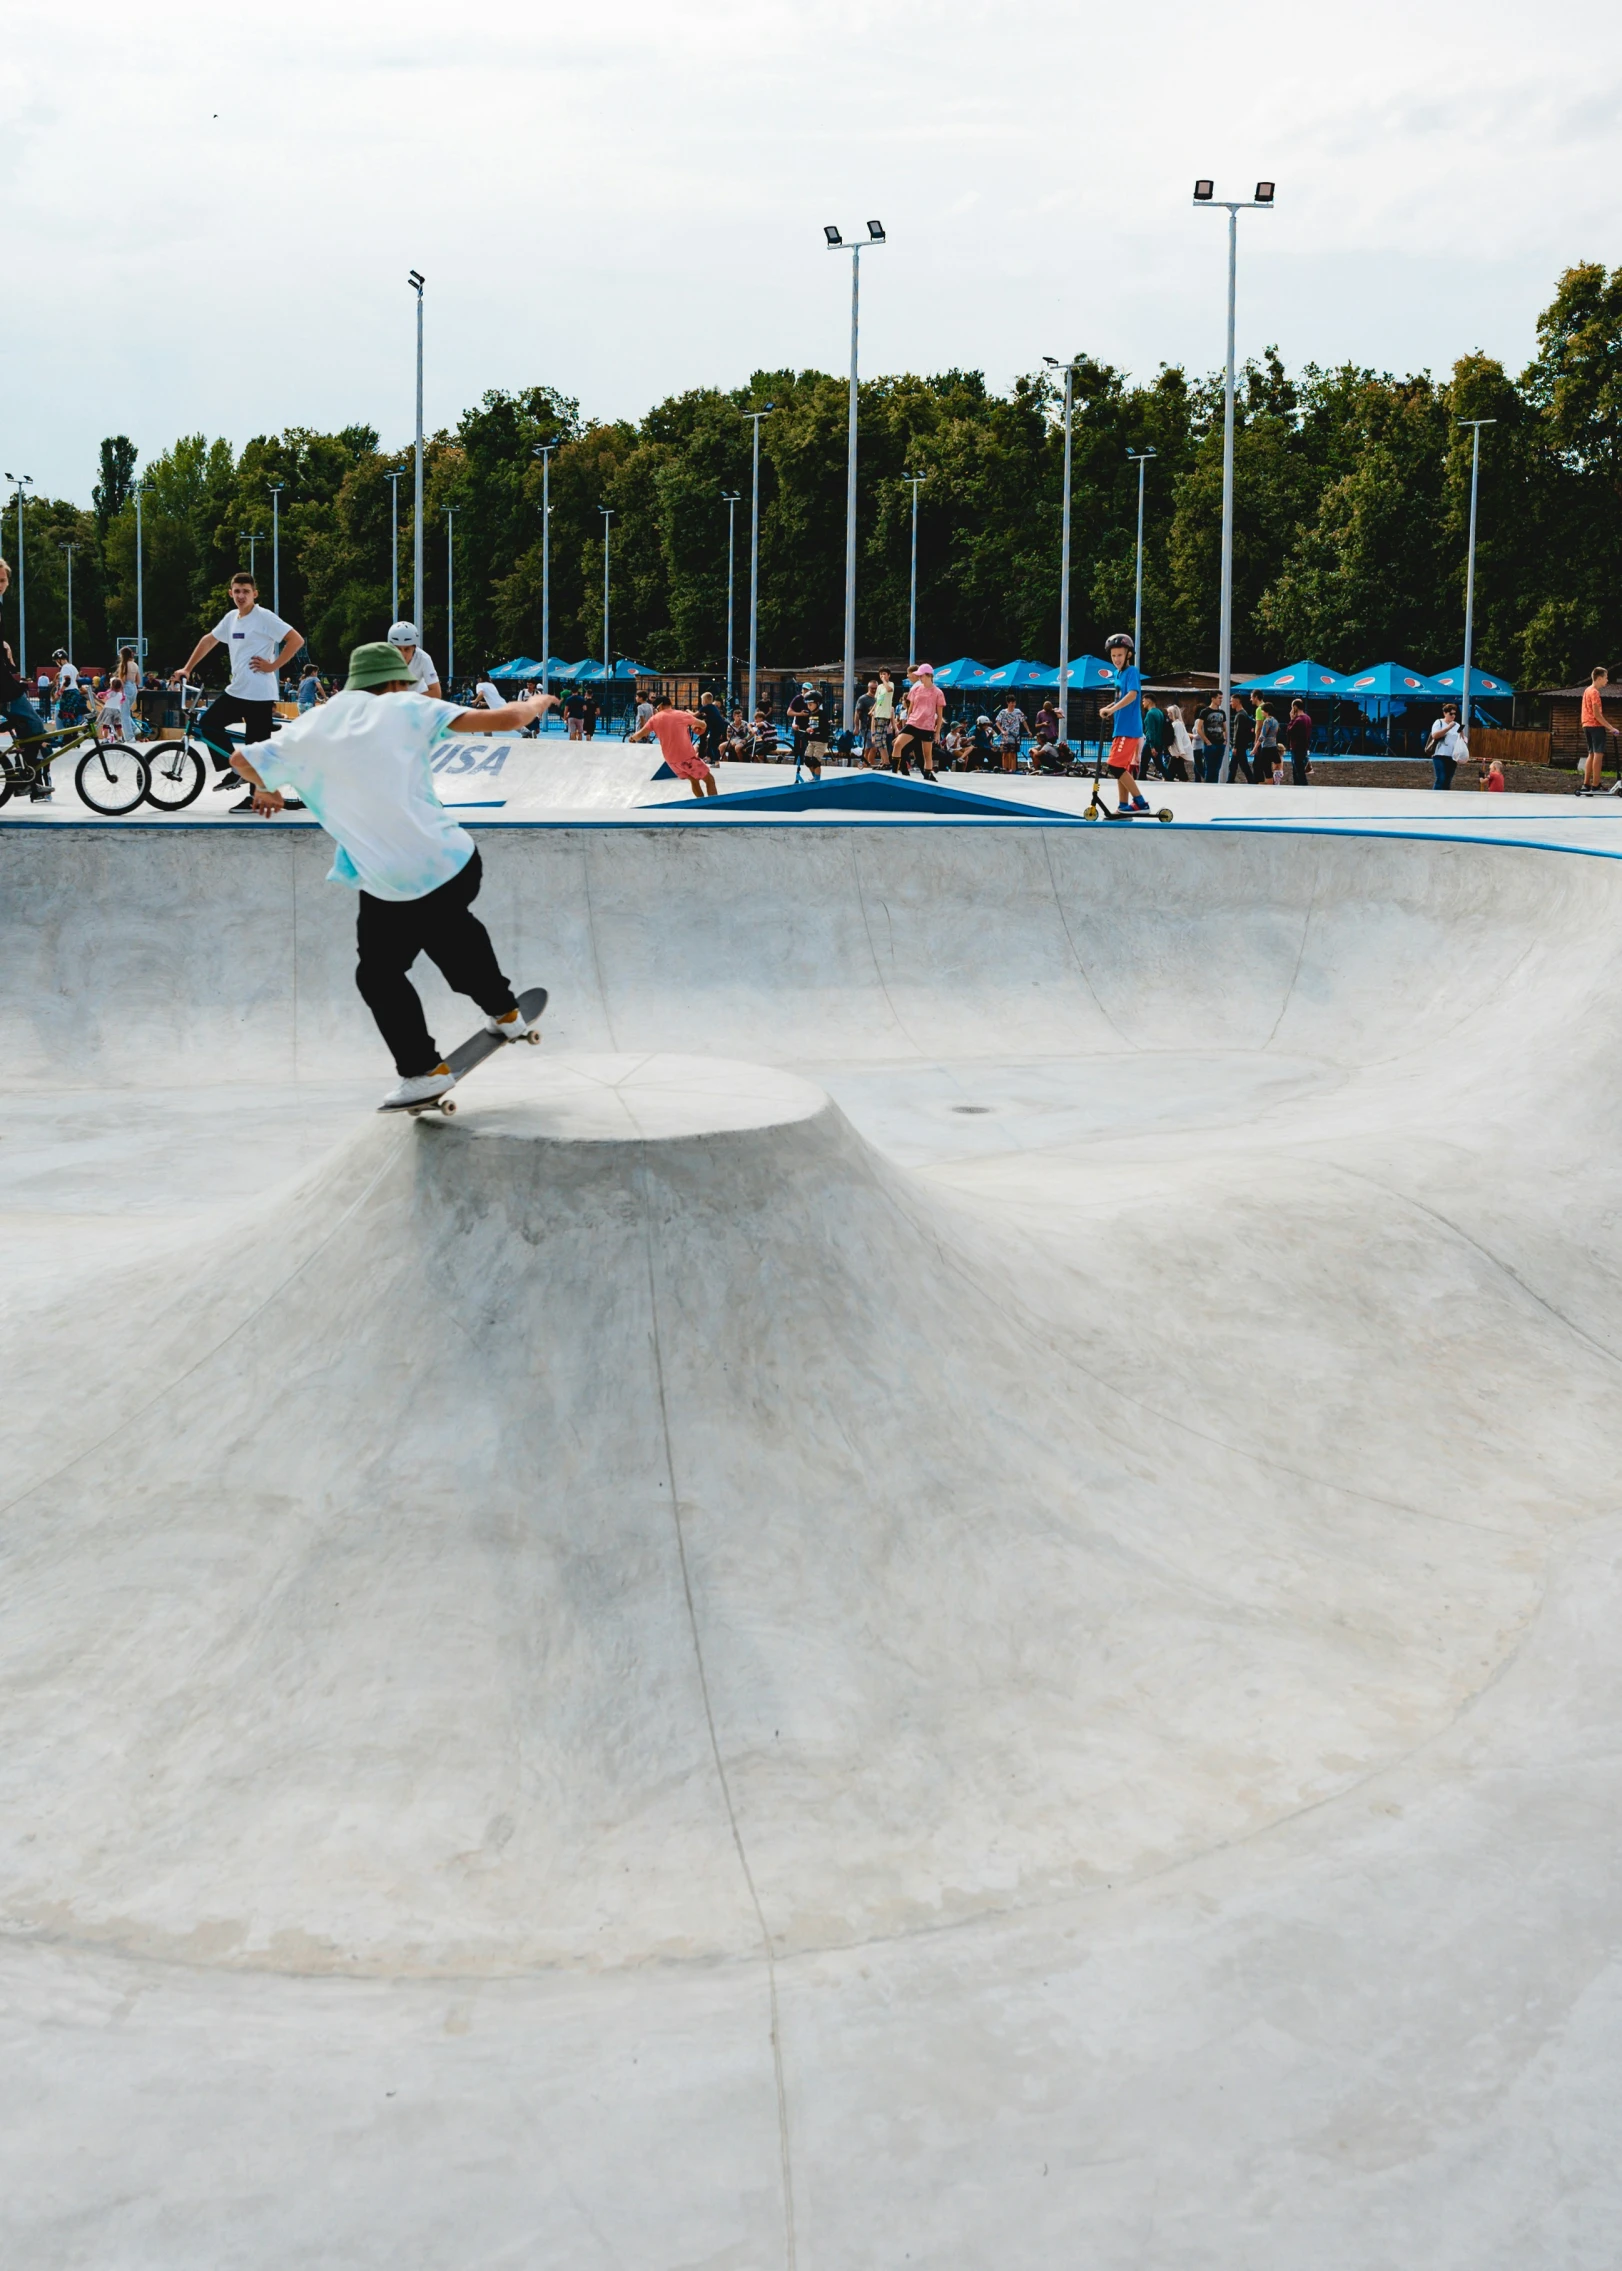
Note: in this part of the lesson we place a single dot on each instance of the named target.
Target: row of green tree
(1352, 500)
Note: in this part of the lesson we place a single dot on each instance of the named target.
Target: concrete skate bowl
(968, 1531)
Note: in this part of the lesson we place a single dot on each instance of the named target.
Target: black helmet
(1121, 639)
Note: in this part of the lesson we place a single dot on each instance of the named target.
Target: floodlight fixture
(1204, 191)
(875, 230)
(416, 280)
(1264, 193)
(832, 234)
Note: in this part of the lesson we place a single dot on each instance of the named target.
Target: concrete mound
(528, 1516)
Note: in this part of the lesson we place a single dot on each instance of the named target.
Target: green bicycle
(110, 777)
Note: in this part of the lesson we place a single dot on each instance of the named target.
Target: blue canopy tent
(1385, 690)
(964, 672)
(1313, 680)
(1390, 682)
(1014, 676)
(520, 667)
(1481, 682)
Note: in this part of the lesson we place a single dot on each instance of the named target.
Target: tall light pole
(393, 480)
(276, 488)
(140, 583)
(543, 450)
(1139, 458)
(1470, 571)
(69, 549)
(450, 593)
(912, 599)
(416, 282)
(1262, 202)
(1069, 370)
(731, 498)
(253, 538)
(23, 481)
(754, 550)
(607, 512)
(836, 243)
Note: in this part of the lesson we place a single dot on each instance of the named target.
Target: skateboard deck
(474, 1051)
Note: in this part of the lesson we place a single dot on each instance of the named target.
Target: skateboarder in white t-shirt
(259, 644)
(420, 665)
(362, 763)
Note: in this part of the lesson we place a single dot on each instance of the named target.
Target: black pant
(391, 933)
(1298, 767)
(229, 710)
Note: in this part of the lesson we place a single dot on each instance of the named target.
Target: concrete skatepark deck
(942, 1589)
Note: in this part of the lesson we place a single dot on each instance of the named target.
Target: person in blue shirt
(1127, 712)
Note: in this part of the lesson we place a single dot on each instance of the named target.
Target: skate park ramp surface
(940, 1588)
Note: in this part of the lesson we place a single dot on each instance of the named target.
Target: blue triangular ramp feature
(870, 792)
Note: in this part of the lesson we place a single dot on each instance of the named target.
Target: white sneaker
(421, 1088)
(509, 1027)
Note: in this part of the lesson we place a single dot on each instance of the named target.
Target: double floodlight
(836, 243)
(1205, 193)
(416, 280)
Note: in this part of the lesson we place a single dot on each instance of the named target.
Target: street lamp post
(1139, 458)
(1069, 370)
(731, 498)
(607, 512)
(836, 243)
(393, 480)
(276, 488)
(69, 549)
(253, 538)
(23, 481)
(416, 282)
(912, 597)
(1262, 202)
(754, 552)
(450, 594)
(543, 450)
(140, 585)
(1476, 425)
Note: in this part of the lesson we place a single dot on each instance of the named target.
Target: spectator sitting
(982, 745)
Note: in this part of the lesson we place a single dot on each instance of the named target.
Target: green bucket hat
(374, 665)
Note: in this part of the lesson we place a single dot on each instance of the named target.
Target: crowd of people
(896, 727)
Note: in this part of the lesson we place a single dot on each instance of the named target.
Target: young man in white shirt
(363, 764)
(259, 644)
(420, 667)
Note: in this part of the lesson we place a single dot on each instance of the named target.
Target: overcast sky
(210, 211)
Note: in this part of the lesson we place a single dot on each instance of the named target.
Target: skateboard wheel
(1164, 813)
(534, 1040)
(446, 1105)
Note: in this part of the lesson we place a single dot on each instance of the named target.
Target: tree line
(1352, 491)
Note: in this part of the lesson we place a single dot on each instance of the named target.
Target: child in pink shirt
(673, 730)
(925, 703)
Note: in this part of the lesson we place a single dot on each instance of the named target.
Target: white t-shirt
(244, 636)
(362, 763)
(67, 676)
(1449, 741)
(421, 669)
(494, 699)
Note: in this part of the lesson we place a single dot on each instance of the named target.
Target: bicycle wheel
(176, 772)
(111, 778)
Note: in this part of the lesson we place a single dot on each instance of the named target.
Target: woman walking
(126, 683)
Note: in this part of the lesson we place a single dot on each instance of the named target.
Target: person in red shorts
(673, 730)
(1127, 712)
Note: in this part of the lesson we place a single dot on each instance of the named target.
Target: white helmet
(404, 635)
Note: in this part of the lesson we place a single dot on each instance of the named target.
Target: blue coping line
(923, 820)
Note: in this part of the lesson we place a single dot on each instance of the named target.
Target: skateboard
(473, 1051)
